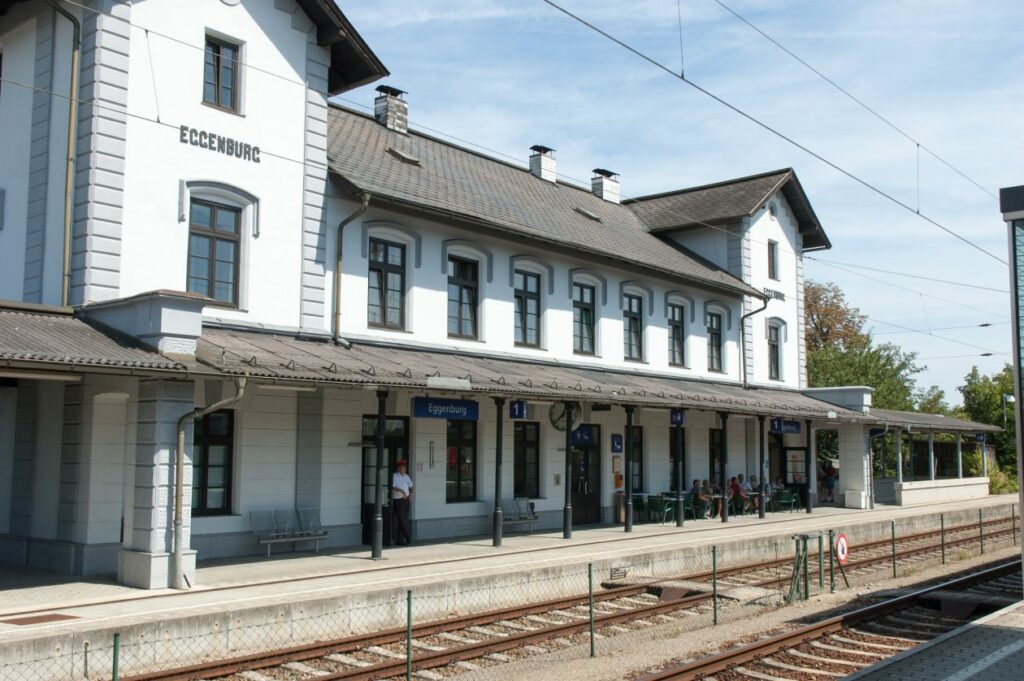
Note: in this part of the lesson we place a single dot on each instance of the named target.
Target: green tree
(983, 402)
(830, 319)
(933, 401)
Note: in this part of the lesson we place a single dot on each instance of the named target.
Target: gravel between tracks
(628, 657)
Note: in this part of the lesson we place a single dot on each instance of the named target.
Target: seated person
(755, 492)
(707, 493)
(737, 497)
(778, 484)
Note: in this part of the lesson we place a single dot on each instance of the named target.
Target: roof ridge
(712, 185)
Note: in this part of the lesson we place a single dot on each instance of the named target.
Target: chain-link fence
(573, 610)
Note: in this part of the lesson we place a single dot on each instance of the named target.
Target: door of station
(586, 476)
(396, 446)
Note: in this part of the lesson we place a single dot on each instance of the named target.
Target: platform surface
(990, 648)
(290, 577)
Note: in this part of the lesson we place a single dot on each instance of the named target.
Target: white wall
(426, 300)
(8, 406)
(18, 45)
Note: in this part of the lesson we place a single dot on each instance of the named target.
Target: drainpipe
(69, 170)
(338, 340)
(180, 581)
(743, 339)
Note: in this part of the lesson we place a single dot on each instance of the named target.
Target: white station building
(224, 236)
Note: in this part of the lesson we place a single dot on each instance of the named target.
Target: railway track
(839, 646)
(457, 644)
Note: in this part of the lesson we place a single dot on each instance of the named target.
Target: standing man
(401, 494)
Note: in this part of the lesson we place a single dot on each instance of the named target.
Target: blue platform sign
(780, 425)
(678, 417)
(584, 435)
(437, 408)
(980, 437)
(617, 445)
(517, 409)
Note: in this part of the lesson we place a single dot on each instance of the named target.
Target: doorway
(586, 475)
(396, 446)
(776, 458)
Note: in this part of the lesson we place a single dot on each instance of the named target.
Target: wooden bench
(519, 511)
(279, 526)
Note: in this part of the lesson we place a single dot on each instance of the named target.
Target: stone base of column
(153, 570)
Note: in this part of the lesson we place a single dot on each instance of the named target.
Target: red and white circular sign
(842, 549)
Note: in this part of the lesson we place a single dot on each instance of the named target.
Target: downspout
(871, 468)
(69, 171)
(338, 340)
(743, 339)
(180, 581)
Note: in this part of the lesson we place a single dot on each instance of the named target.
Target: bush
(1000, 482)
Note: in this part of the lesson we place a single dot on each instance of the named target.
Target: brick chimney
(605, 185)
(391, 110)
(542, 162)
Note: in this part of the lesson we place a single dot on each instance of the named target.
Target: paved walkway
(989, 648)
(292, 577)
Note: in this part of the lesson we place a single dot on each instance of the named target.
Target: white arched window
(221, 220)
(589, 293)
(775, 333)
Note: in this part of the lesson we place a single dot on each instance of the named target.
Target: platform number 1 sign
(842, 549)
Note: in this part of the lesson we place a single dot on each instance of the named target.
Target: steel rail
(774, 644)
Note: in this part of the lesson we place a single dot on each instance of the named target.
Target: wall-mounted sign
(517, 409)
(204, 139)
(677, 417)
(617, 445)
(772, 293)
(980, 437)
(436, 408)
(780, 425)
(584, 435)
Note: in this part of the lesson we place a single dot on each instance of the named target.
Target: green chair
(786, 497)
(639, 507)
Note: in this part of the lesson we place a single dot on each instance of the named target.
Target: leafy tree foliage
(933, 401)
(830, 319)
(983, 402)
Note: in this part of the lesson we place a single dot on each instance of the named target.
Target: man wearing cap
(401, 493)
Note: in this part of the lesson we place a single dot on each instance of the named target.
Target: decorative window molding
(583, 272)
(781, 324)
(688, 300)
(718, 307)
(384, 227)
(624, 285)
(225, 193)
(515, 260)
(488, 257)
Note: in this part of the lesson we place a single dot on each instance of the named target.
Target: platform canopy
(917, 421)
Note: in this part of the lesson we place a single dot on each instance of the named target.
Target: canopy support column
(629, 467)
(959, 456)
(567, 508)
(931, 455)
(899, 456)
(723, 480)
(680, 468)
(761, 476)
(499, 403)
(380, 486)
(812, 494)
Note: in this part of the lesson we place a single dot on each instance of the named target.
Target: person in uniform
(401, 495)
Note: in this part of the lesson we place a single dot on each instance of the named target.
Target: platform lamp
(1007, 399)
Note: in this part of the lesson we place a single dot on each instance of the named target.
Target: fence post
(831, 561)
(942, 535)
(893, 523)
(590, 591)
(981, 533)
(408, 635)
(821, 562)
(714, 581)
(807, 577)
(114, 674)
(1013, 519)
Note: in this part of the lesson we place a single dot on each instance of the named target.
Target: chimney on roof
(605, 185)
(391, 110)
(542, 162)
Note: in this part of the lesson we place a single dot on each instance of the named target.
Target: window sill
(679, 366)
(635, 361)
(527, 346)
(223, 109)
(471, 339)
(381, 327)
(717, 371)
(586, 354)
(215, 515)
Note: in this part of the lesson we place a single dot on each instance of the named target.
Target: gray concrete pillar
(899, 456)
(145, 559)
(959, 456)
(931, 455)
(980, 439)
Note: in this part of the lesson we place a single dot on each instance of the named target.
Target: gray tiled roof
(936, 422)
(728, 201)
(504, 198)
(285, 358)
(36, 334)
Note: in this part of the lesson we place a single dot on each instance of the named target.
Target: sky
(508, 74)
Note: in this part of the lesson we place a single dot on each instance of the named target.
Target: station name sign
(436, 408)
(204, 139)
(773, 294)
(778, 425)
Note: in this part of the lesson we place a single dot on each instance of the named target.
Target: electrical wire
(861, 103)
(935, 335)
(984, 325)
(777, 133)
(910, 276)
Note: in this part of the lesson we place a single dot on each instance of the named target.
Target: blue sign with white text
(517, 409)
(617, 446)
(678, 417)
(980, 437)
(584, 435)
(436, 408)
(780, 425)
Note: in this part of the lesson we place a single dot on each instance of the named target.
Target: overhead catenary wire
(905, 274)
(983, 325)
(935, 335)
(862, 104)
(756, 121)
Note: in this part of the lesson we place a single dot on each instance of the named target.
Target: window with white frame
(214, 250)
(776, 336)
(714, 341)
(584, 316)
(527, 303)
(386, 285)
(773, 260)
(676, 335)
(633, 326)
(463, 296)
(220, 74)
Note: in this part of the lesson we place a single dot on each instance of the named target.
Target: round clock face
(556, 414)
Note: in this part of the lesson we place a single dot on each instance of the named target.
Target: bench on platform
(518, 511)
(285, 525)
